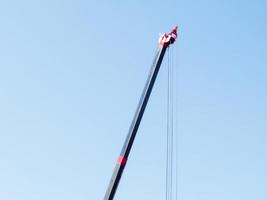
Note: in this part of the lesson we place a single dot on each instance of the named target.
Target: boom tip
(168, 38)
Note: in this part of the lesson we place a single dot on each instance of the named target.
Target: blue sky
(71, 74)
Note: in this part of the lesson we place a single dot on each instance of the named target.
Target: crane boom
(164, 42)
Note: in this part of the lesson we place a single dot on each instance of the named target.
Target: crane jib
(164, 42)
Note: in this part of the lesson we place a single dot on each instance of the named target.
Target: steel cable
(170, 128)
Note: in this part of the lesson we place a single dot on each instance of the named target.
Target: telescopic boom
(164, 41)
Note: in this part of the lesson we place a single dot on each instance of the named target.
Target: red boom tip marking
(168, 38)
(122, 160)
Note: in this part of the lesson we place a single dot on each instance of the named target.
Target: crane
(165, 41)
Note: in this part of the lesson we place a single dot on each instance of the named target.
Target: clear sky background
(71, 74)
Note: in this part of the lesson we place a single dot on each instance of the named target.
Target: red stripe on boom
(122, 160)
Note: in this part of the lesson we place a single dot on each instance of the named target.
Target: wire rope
(171, 144)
